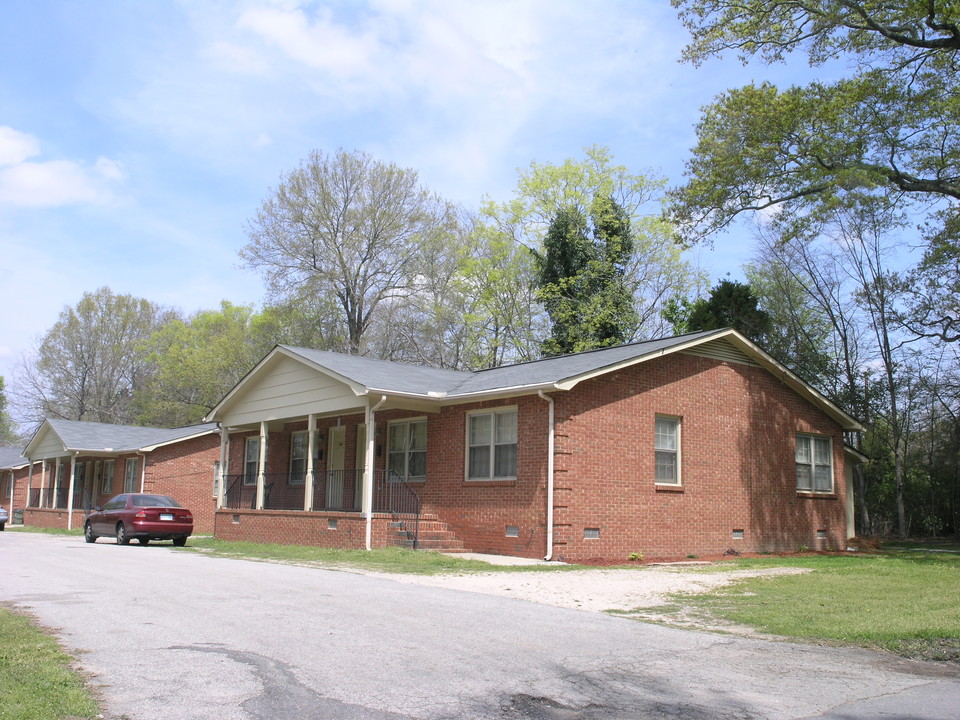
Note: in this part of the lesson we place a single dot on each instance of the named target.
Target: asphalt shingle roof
(401, 378)
(11, 458)
(80, 435)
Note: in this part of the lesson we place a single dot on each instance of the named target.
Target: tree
(655, 269)
(730, 304)
(8, 432)
(581, 282)
(92, 362)
(347, 226)
(890, 130)
(197, 360)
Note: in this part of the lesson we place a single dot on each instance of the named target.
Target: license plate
(166, 516)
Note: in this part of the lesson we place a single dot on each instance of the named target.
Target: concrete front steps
(433, 534)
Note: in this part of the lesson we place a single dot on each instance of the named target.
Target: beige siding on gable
(48, 446)
(288, 389)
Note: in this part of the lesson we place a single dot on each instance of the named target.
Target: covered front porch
(299, 465)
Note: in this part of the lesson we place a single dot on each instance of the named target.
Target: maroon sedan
(142, 516)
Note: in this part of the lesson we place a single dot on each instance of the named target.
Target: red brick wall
(738, 427)
(185, 472)
(19, 488)
(301, 528)
(738, 472)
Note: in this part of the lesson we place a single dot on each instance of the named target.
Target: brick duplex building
(689, 445)
(73, 466)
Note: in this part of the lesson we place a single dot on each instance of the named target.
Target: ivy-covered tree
(581, 279)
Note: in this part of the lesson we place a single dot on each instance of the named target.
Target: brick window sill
(660, 488)
(816, 496)
(489, 483)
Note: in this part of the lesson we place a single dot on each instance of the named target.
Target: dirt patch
(599, 589)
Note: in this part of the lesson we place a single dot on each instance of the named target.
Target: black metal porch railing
(392, 494)
(333, 490)
(58, 500)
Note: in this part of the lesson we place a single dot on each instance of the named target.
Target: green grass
(391, 560)
(36, 682)
(46, 531)
(906, 601)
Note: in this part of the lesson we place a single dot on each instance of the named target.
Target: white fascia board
(763, 359)
(571, 382)
(150, 448)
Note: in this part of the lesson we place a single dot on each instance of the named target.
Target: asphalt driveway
(172, 634)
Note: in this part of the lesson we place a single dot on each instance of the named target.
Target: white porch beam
(367, 505)
(311, 451)
(222, 467)
(73, 468)
(262, 463)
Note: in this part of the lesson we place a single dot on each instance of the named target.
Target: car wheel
(179, 541)
(1, 526)
(143, 541)
(122, 538)
(88, 533)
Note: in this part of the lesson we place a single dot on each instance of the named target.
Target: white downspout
(550, 437)
(143, 471)
(370, 419)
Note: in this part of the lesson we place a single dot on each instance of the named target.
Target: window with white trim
(814, 456)
(106, 487)
(492, 445)
(131, 475)
(299, 449)
(251, 464)
(666, 446)
(407, 448)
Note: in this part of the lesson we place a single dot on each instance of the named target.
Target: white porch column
(43, 480)
(222, 467)
(73, 469)
(262, 464)
(26, 502)
(367, 505)
(311, 451)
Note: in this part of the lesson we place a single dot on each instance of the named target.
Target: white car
(3, 517)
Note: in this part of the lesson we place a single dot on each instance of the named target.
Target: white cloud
(54, 182)
(58, 182)
(15, 147)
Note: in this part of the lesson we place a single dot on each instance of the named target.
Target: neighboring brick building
(13, 488)
(73, 466)
(688, 445)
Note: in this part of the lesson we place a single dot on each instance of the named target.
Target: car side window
(117, 503)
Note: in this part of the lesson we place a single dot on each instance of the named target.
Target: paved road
(170, 634)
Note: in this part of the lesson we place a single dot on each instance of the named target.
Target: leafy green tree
(890, 129)
(92, 363)
(8, 432)
(653, 271)
(197, 361)
(348, 227)
(581, 280)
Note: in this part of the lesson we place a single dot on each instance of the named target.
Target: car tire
(88, 534)
(179, 541)
(122, 537)
(143, 541)
(2, 526)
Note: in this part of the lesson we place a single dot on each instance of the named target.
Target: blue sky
(137, 138)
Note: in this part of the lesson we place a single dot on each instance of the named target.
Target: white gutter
(550, 441)
(370, 420)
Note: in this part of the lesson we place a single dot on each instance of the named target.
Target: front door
(336, 443)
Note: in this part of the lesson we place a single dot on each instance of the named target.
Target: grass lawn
(390, 560)
(36, 681)
(906, 601)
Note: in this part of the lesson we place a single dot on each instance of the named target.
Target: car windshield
(154, 501)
